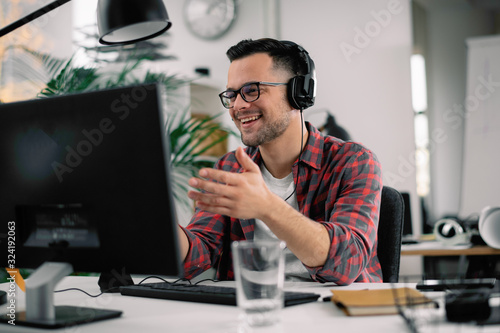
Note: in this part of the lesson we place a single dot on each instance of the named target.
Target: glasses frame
(239, 91)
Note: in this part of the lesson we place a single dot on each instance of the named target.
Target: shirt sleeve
(205, 235)
(205, 232)
(353, 209)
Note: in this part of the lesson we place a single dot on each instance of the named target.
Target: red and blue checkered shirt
(339, 185)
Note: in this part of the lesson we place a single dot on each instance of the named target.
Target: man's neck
(280, 154)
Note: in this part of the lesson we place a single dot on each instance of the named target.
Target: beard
(270, 130)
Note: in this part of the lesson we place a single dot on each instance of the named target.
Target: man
(319, 194)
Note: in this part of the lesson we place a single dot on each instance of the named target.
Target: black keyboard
(203, 293)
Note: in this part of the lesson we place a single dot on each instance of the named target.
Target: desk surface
(153, 315)
(437, 249)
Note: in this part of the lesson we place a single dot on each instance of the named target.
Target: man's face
(268, 117)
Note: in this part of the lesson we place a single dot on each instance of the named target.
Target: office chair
(389, 233)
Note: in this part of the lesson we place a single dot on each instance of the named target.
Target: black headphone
(301, 89)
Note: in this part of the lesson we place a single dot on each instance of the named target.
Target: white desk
(153, 315)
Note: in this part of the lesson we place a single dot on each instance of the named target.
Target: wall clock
(209, 19)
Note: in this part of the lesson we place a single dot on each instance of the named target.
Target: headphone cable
(300, 154)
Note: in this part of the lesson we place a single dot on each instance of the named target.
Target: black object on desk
(407, 241)
(455, 284)
(467, 305)
(203, 293)
(65, 316)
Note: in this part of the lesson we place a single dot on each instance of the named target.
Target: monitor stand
(40, 309)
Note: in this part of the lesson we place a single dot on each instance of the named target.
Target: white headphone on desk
(450, 232)
(489, 226)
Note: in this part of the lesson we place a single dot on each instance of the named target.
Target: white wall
(482, 126)
(449, 25)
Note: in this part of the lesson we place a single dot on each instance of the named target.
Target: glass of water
(259, 274)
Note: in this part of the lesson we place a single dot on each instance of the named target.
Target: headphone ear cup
(298, 96)
(450, 231)
(302, 88)
(293, 90)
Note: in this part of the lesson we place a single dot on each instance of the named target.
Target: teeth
(244, 120)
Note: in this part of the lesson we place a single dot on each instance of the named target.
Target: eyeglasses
(250, 92)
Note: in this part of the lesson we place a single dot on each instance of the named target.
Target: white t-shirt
(294, 269)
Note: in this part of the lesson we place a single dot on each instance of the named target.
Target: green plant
(188, 139)
(65, 76)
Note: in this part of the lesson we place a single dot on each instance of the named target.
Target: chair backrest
(389, 233)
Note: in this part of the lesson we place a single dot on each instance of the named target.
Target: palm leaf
(51, 64)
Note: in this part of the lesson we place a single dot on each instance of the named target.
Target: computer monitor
(85, 180)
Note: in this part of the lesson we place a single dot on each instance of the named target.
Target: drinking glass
(259, 275)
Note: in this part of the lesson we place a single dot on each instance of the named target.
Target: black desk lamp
(119, 21)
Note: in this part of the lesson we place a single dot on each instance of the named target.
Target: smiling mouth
(249, 119)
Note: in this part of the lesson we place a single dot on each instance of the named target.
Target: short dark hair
(285, 56)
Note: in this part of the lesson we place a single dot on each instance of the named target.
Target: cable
(300, 154)
(146, 278)
(163, 280)
(78, 289)
(204, 280)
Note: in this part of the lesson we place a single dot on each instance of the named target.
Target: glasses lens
(227, 98)
(250, 92)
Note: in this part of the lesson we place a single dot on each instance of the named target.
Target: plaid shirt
(339, 186)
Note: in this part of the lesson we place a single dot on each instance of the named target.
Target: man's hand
(239, 195)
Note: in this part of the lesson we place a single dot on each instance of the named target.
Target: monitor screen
(84, 178)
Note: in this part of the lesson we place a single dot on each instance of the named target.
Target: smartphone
(453, 284)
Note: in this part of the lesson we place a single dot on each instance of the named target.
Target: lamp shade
(130, 21)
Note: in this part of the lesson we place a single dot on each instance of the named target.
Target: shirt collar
(313, 151)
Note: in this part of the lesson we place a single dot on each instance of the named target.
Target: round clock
(209, 19)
